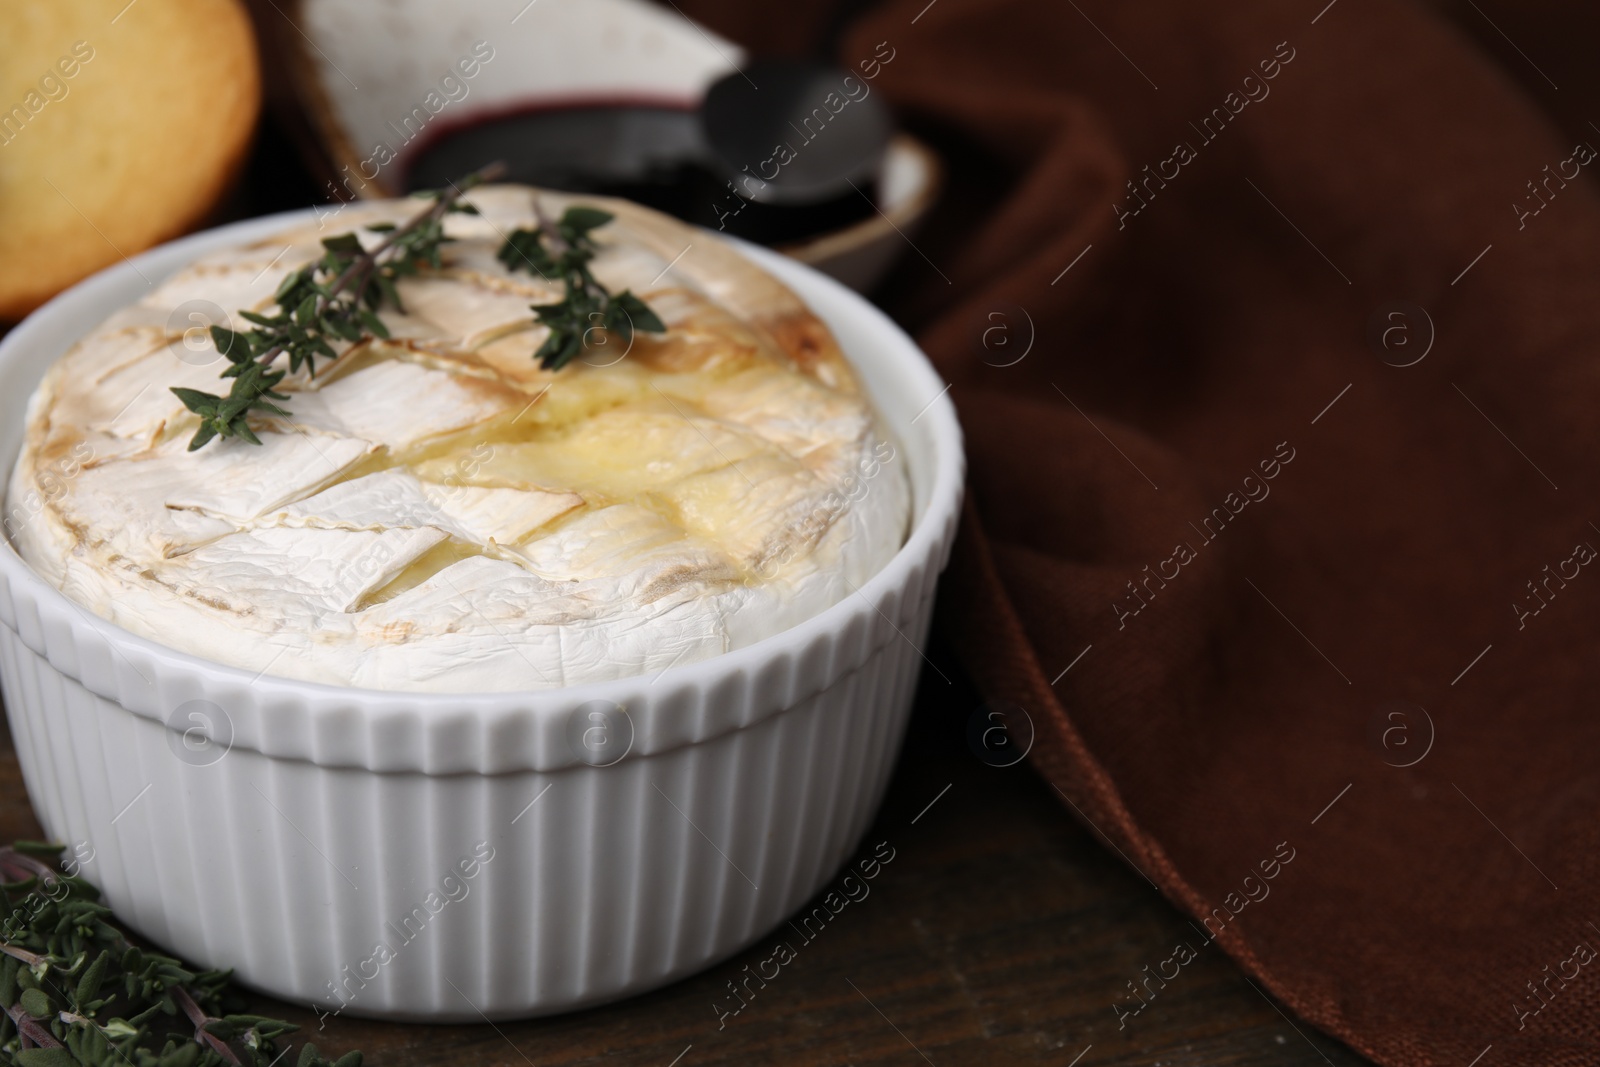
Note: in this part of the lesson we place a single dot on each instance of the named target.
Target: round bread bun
(121, 125)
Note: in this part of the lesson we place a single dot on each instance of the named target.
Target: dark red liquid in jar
(651, 154)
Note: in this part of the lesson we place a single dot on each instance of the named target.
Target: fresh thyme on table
(337, 299)
(74, 991)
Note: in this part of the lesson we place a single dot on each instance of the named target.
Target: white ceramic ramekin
(455, 857)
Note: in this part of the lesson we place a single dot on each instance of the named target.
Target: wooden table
(1001, 933)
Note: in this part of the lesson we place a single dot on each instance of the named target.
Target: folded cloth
(1273, 330)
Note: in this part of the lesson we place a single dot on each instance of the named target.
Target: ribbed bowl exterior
(458, 858)
(614, 880)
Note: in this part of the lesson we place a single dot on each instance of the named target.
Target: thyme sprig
(75, 992)
(337, 298)
(563, 250)
(334, 299)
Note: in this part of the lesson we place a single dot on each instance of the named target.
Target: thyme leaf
(563, 250)
(75, 993)
(337, 299)
(332, 300)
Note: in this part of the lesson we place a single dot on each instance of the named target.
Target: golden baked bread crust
(121, 126)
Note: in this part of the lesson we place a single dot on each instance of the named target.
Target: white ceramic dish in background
(360, 69)
(284, 828)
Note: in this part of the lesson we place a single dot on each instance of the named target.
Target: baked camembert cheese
(437, 512)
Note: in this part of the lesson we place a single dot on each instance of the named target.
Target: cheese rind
(438, 513)
(397, 499)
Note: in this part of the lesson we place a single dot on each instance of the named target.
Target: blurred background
(324, 101)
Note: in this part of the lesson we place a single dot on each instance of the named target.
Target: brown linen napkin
(1282, 530)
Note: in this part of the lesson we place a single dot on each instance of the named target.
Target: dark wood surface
(1001, 933)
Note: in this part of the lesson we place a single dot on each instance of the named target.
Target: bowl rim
(887, 220)
(927, 539)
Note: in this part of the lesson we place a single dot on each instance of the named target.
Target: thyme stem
(337, 299)
(363, 265)
(28, 1028)
(17, 866)
(200, 1020)
(70, 979)
(32, 959)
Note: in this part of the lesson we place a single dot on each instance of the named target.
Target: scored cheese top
(440, 514)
